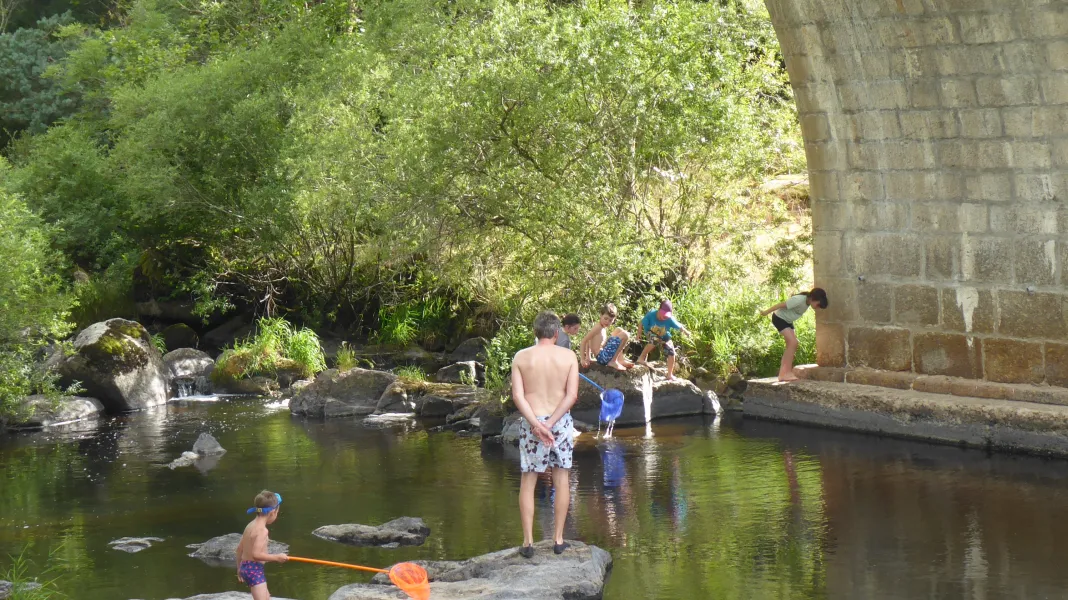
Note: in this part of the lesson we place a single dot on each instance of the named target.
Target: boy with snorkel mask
(252, 550)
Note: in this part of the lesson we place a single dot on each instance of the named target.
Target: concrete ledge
(937, 384)
(996, 424)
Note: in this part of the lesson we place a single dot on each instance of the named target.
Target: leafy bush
(275, 346)
(34, 300)
(511, 338)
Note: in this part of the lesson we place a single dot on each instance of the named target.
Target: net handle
(327, 563)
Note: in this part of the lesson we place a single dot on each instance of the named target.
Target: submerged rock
(7, 589)
(222, 550)
(346, 393)
(577, 574)
(133, 545)
(116, 362)
(37, 412)
(187, 459)
(405, 531)
(386, 420)
(207, 445)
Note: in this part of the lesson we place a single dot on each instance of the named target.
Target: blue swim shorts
(609, 351)
(252, 572)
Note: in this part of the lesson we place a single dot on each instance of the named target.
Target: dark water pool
(689, 509)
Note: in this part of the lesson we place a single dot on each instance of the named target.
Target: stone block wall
(937, 141)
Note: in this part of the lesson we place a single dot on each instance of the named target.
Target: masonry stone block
(1021, 57)
(842, 294)
(881, 216)
(888, 348)
(942, 257)
(1035, 121)
(884, 254)
(916, 305)
(830, 345)
(928, 124)
(1040, 23)
(955, 93)
(874, 125)
(1035, 187)
(1029, 219)
(832, 216)
(968, 310)
(949, 354)
(1039, 315)
(1035, 261)
(1012, 361)
(988, 187)
(980, 123)
(985, 259)
(1059, 152)
(891, 155)
(1006, 91)
(815, 97)
(814, 127)
(827, 253)
(1055, 88)
(822, 186)
(878, 95)
(1031, 155)
(863, 185)
(875, 303)
(1057, 55)
(985, 28)
(924, 186)
(936, 217)
(889, 379)
(922, 93)
(824, 155)
(1057, 364)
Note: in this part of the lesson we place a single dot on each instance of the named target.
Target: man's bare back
(545, 371)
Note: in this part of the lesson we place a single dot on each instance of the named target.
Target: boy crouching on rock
(252, 549)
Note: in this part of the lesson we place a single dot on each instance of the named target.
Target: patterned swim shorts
(252, 572)
(609, 351)
(665, 346)
(536, 457)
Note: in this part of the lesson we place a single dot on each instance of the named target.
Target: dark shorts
(252, 572)
(665, 346)
(780, 323)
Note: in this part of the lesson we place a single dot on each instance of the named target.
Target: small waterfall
(186, 387)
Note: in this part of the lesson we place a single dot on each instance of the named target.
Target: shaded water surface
(689, 509)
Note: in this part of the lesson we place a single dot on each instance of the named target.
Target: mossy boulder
(115, 362)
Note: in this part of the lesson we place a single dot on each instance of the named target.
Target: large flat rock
(577, 574)
(222, 550)
(405, 531)
(1006, 425)
(344, 393)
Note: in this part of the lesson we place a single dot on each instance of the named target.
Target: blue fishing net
(611, 404)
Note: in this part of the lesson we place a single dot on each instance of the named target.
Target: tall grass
(276, 345)
(422, 321)
(411, 374)
(28, 586)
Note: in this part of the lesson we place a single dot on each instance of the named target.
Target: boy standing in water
(252, 549)
(606, 350)
(783, 319)
(658, 325)
(570, 328)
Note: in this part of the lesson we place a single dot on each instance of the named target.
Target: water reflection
(689, 509)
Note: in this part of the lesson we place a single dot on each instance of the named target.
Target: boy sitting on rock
(606, 350)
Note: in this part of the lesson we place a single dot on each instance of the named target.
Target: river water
(695, 508)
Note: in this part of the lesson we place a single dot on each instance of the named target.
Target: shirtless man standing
(545, 387)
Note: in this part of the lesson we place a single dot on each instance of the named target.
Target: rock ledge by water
(577, 574)
(221, 551)
(405, 531)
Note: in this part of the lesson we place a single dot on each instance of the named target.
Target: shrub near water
(276, 346)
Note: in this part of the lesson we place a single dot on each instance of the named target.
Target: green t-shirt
(795, 308)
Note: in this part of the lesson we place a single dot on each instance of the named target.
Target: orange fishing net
(411, 579)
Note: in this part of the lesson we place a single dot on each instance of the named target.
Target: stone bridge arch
(937, 140)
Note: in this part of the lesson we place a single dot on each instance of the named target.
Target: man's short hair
(546, 325)
(571, 319)
(610, 310)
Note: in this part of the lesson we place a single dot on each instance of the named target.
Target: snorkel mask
(267, 509)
